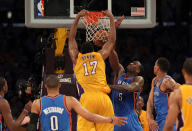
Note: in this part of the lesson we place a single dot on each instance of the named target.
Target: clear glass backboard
(61, 13)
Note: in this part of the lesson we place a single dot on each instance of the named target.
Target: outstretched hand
(83, 13)
(118, 21)
(107, 13)
(119, 120)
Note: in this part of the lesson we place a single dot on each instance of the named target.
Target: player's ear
(183, 72)
(59, 85)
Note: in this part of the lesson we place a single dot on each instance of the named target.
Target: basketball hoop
(93, 22)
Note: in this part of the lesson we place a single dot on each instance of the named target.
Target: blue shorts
(133, 124)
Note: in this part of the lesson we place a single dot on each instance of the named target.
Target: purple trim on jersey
(180, 121)
(80, 88)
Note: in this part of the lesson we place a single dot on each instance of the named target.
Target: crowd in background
(21, 50)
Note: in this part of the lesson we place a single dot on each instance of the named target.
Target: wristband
(25, 110)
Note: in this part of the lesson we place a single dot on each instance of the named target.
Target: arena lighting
(9, 14)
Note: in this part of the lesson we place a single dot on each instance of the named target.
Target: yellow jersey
(143, 120)
(186, 109)
(90, 72)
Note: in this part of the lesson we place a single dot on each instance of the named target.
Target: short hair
(52, 81)
(87, 47)
(163, 64)
(2, 83)
(187, 66)
(141, 68)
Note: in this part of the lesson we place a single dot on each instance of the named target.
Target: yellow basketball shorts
(98, 103)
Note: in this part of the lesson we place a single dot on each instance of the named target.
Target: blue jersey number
(120, 96)
(54, 123)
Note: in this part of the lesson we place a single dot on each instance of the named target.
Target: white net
(93, 23)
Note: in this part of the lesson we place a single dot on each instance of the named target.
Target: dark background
(119, 8)
(22, 53)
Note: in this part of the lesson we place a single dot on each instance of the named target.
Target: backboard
(61, 13)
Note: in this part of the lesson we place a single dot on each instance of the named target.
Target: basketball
(100, 37)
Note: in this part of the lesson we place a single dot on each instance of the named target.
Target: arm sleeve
(33, 122)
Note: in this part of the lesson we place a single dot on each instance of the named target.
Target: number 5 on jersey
(93, 64)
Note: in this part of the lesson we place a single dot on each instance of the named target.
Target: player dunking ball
(100, 37)
(181, 101)
(125, 92)
(89, 68)
(54, 110)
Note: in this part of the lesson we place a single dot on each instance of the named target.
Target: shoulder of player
(152, 83)
(153, 80)
(36, 106)
(3, 103)
(36, 103)
(176, 95)
(169, 80)
(70, 99)
(121, 69)
(138, 78)
(100, 52)
(70, 102)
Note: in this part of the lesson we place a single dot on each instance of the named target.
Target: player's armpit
(174, 110)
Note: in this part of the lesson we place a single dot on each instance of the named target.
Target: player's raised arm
(73, 48)
(150, 106)
(115, 64)
(113, 57)
(108, 46)
(74, 104)
(174, 110)
(135, 86)
(118, 21)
